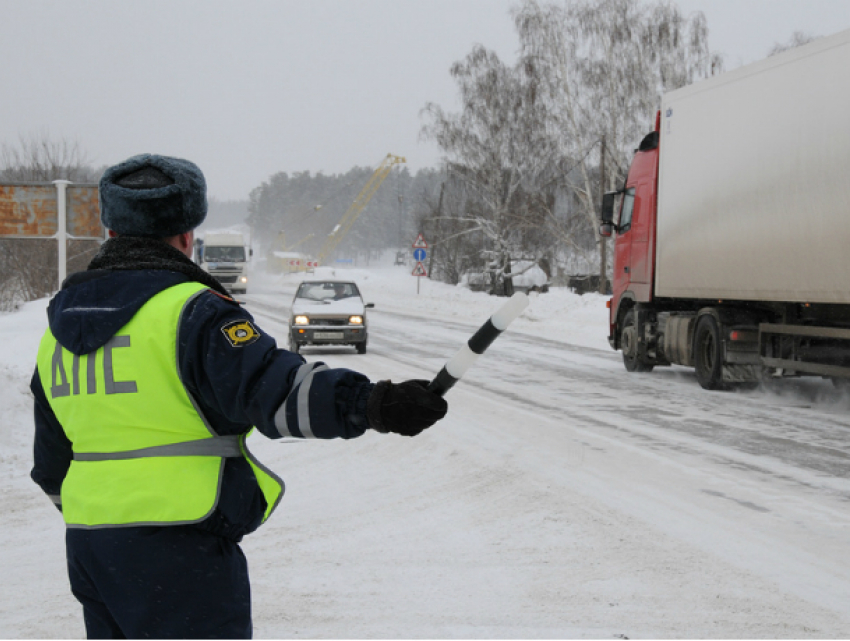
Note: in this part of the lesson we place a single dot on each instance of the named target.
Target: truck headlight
(244, 279)
(355, 320)
(301, 320)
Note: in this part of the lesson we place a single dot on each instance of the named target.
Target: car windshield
(222, 254)
(327, 291)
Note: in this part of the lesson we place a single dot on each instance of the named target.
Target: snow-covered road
(561, 497)
(581, 500)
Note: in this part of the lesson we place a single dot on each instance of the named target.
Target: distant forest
(296, 212)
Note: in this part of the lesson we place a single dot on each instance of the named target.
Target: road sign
(419, 254)
(419, 270)
(420, 242)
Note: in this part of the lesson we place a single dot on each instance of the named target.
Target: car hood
(344, 307)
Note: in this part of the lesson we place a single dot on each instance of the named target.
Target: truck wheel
(708, 354)
(361, 347)
(629, 345)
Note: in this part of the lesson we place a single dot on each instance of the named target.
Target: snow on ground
(539, 508)
(34, 598)
(559, 314)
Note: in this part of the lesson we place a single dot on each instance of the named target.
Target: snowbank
(559, 314)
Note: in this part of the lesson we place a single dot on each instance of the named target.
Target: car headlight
(355, 320)
(301, 320)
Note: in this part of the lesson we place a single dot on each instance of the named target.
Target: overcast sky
(248, 88)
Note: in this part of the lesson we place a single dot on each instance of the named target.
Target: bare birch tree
(600, 68)
(797, 39)
(498, 147)
(37, 158)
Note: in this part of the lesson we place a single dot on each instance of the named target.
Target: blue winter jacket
(235, 387)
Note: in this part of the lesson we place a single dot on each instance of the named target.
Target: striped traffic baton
(480, 341)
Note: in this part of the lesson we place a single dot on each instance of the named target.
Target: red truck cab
(634, 249)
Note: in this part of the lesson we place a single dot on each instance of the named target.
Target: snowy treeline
(533, 140)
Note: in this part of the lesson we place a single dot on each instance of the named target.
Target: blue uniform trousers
(159, 582)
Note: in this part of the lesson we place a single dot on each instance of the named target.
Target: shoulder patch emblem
(240, 333)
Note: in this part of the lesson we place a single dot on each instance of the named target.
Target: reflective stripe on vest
(143, 452)
(225, 446)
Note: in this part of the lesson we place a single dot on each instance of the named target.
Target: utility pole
(62, 227)
(603, 248)
(400, 207)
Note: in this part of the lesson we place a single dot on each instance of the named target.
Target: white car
(328, 312)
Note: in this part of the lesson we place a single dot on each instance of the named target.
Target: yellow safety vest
(143, 452)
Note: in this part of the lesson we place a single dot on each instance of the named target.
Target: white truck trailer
(732, 253)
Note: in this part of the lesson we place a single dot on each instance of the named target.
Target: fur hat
(153, 196)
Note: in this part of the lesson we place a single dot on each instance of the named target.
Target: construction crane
(358, 205)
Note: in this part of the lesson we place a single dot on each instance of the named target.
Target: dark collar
(137, 253)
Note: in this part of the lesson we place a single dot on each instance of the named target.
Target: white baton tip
(461, 362)
(509, 311)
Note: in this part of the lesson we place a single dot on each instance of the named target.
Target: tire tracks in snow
(666, 410)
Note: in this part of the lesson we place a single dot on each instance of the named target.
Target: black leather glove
(406, 408)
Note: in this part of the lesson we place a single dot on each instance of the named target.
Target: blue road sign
(419, 254)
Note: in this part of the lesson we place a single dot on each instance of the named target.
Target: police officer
(148, 381)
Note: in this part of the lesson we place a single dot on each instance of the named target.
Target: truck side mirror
(607, 228)
(607, 212)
